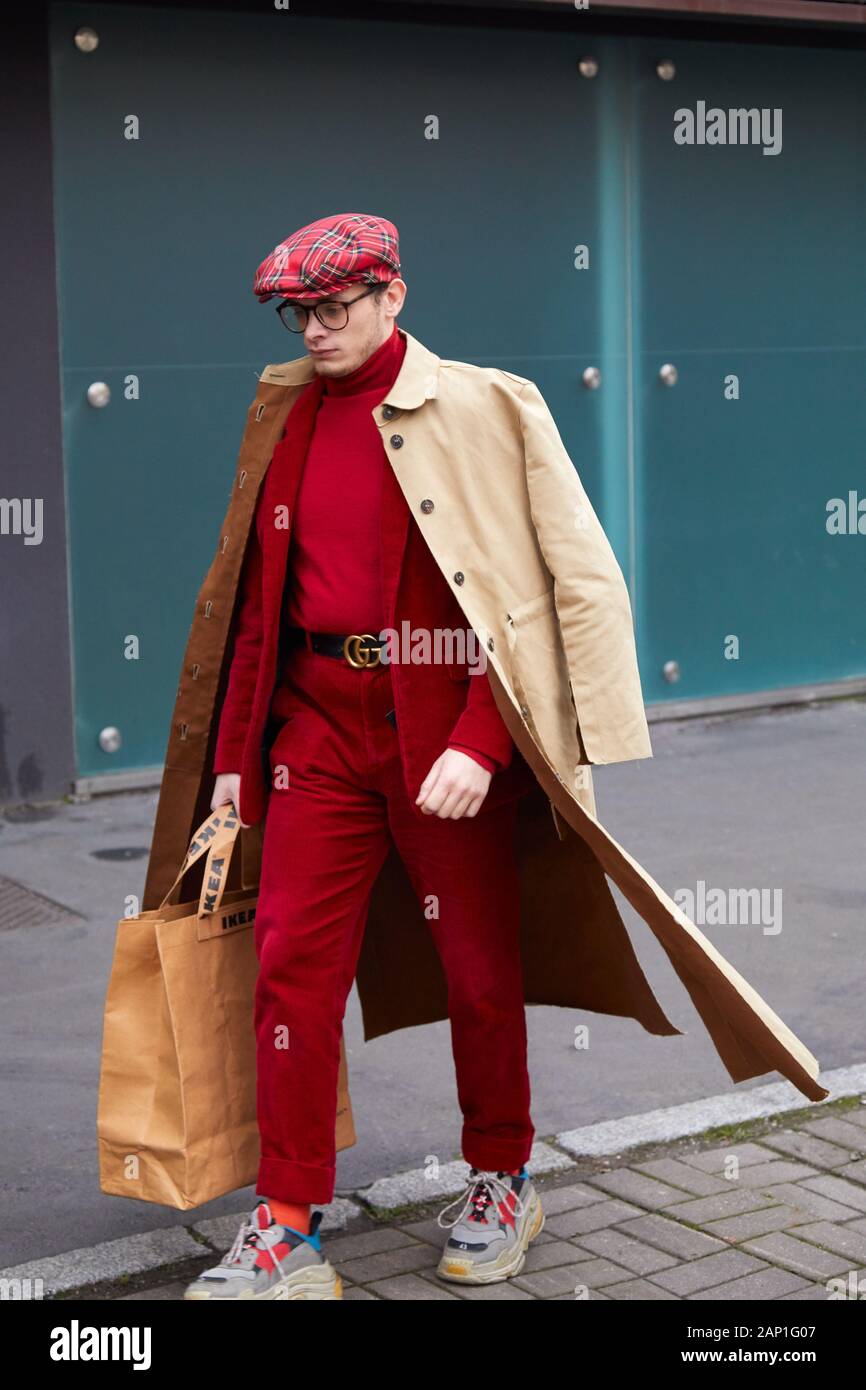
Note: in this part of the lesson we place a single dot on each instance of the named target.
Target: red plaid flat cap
(330, 255)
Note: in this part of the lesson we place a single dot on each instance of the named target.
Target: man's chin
(331, 365)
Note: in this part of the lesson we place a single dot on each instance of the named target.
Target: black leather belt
(359, 649)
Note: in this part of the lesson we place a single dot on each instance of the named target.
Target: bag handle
(217, 836)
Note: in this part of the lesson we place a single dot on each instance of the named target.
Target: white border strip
(678, 1121)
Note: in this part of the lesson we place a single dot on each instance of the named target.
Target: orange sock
(295, 1214)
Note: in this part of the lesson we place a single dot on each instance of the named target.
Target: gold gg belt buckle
(359, 656)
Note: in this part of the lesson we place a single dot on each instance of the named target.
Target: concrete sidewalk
(770, 1208)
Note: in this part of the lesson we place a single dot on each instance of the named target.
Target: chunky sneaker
(500, 1215)
(268, 1260)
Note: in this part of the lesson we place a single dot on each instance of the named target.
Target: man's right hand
(227, 788)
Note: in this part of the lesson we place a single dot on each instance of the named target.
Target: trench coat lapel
(393, 536)
(279, 489)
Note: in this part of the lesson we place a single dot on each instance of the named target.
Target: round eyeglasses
(331, 313)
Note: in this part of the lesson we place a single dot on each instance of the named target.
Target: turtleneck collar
(378, 372)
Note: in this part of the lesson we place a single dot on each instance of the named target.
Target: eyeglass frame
(307, 308)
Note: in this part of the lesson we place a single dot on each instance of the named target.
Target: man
(338, 801)
(406, 488)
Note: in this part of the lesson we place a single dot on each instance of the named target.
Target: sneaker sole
(505, 1266)
(323, 1283)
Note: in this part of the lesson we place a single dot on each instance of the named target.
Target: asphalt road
(774, 801)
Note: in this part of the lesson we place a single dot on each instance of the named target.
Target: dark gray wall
(36, 720)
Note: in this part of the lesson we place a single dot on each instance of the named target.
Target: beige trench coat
(543, 592)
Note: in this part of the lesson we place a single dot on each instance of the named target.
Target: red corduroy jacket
(436, 704)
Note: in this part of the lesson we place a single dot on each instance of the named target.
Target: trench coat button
(459, 577)
(524, 710)
(397, 441)
(490, 644)
(426, 505)
(388, 412)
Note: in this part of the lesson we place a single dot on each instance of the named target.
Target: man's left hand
(455, 786)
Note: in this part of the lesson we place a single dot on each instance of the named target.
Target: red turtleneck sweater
(333, 583)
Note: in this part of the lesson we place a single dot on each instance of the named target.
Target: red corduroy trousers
(326, 835)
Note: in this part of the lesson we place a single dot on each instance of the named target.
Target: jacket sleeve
(590, 594)
(481, 729)
(238, 702)
(489, 764)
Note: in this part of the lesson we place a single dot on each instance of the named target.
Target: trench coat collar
(415, 383)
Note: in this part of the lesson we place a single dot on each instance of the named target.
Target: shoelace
(482, 1189)
(247, 1244)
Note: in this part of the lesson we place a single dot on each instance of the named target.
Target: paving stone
(639, 1290)
(165, 1293)
(574, 1223)
(701, 1210)
(838, 1131)
(592, 1274)
(427, 1229)
(559, 1199)
(636, 1187)
(683, 1175)
(839, 1239)
(592, 1296)
(808, 1148)
(355, 1294)
(669, 1236)
(504, 1292)
(632, 1254)
(811, 1293)
(403, 1259)
(798, 1255)
(847, 1287)
(714, 1160)
(366, 1243)
(856, 1116)
(804, 1199)
(766, 1284)
(757, 1223)
(409, 1288)
(777, 1170)
(855, 1171)
(556, 1252)
(707, 1273)
(838, 1190)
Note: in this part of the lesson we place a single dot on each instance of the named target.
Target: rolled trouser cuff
(290, 1181)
